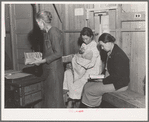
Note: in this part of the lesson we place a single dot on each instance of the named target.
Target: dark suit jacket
(118, 68)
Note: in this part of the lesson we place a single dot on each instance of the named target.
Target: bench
(125, 99)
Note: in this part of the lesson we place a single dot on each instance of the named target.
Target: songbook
(96, 76)
(32, 56)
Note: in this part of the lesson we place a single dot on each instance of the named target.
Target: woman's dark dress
(53, 69)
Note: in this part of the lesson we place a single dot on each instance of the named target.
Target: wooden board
(7, 18)
(137, 62)
(8, 44)
(90, 22)
(141, 62)
(133, 16)
(112, 22)
(21, 24)
(72, 26)
(126, 43)
(112, 19)
(65, 27)
(133, 44)
(118, 25)
(23, 41)
(126, 99)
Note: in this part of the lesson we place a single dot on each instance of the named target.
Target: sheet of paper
(79, 12)
(15, 75)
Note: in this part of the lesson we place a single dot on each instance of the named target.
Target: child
(81, 61)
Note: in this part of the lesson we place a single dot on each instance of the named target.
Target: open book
(96, 76)
(32, 56)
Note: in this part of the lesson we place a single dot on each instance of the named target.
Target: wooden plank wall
(105, 23)
(133, 43)
(8, 45)
(72, 25)
(23, 19)
(18, 25)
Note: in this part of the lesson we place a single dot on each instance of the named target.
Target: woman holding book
(116, 73)
(53, 70)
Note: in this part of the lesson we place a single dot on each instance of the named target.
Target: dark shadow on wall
(35, 37)
(8, 63)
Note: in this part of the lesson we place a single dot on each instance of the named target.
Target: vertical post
(97, 28)
(87, 18)
(65, 26)
(100, 25)
(13, 37)
(118, 25)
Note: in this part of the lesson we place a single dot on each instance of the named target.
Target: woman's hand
(38, 62)
(82, 50)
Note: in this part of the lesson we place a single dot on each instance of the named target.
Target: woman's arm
(93, 60)
(119, 70)
(82, 59)
(56, 42)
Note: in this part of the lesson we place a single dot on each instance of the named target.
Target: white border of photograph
(120, 114)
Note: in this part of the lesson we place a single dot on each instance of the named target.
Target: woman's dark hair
(103, 54)
(44, 15)
(106, 37)
(85, 31)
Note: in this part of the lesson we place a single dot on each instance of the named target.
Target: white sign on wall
(79, 11)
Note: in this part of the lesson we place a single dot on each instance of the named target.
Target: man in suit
(116, 73)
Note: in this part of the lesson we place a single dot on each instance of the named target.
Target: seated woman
(84, 63)
(116, 75)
